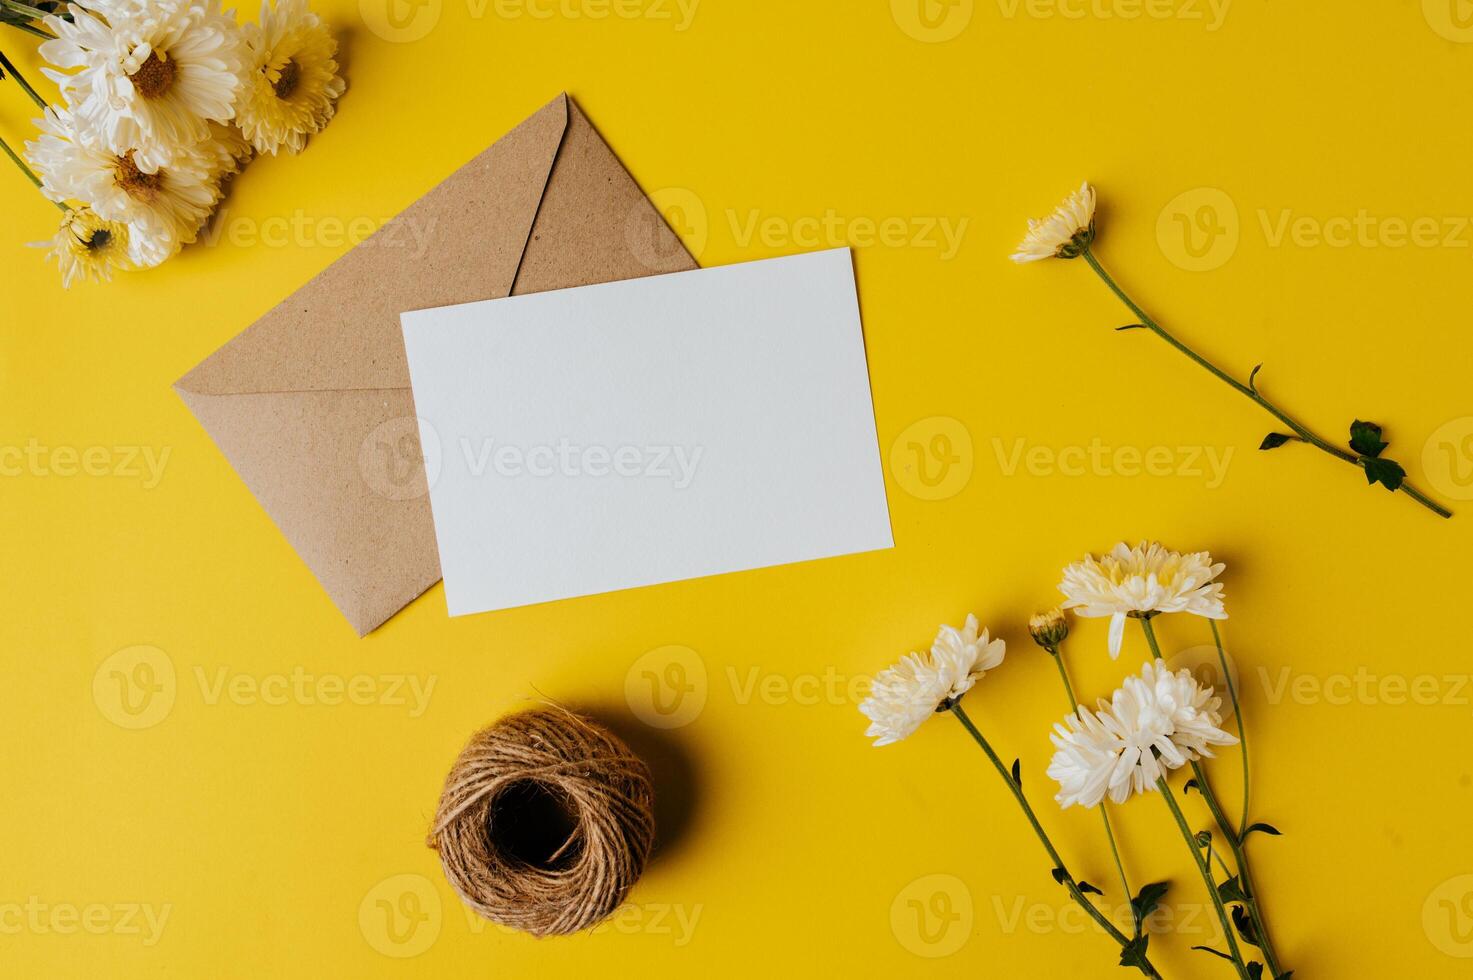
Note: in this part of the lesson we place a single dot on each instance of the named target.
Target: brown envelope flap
(341, 330)
(595, 225)
(338, 471)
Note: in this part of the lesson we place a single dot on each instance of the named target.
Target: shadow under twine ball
(545, 823)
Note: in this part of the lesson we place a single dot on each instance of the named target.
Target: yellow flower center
(155, 76)
(286, 81)
(138, 185)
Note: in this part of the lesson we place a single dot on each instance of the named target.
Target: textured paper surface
(312, 406)
(648, 431)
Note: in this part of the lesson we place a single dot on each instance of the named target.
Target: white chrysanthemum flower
(88, 247)
(293, 82)
(1142, 581)
(147, 76)
(164, 209)
(1063, 234)
(904, 696)
(1086, 757)
(1155, 723)
(225, 153)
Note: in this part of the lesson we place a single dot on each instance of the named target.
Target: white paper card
(647, 431)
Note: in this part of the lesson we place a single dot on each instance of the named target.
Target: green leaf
(1214, 952)
(1255, 971)
(1060, 875)
(1231, 891)
(1131, 326)
(1191, 785)
(1365, 438)
(1085, 888)
(1384, 471)
(1246, 927)
(1018, 773)
(1133, 954)
(1251, 386)
(1263, 828)
(1148, 899)
(1274, 440)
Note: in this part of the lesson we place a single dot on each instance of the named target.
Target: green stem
(1058, 657)
(1048, 846)
(33, 30)
(1150, 632)
(8, 68)
(24, 9)
(1222, 916)
(30, 175)
(1245, 873)
(1227, 679)
(1248, 390)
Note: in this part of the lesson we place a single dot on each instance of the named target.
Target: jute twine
(529, 773)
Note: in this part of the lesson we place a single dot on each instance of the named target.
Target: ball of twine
(546, 821)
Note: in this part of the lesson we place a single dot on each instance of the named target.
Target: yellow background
(264, 828)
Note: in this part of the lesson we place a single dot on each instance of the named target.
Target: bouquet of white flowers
(1158, 721)
(163, 102)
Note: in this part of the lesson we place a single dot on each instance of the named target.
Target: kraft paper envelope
(312, 405)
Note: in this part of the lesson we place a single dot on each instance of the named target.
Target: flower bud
(1049, 628)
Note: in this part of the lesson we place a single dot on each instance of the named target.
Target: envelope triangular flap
(591, 199)
(341, 330)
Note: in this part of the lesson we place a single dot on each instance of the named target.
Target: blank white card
(640, 432)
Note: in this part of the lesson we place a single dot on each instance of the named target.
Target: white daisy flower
(164, 209)
(1063, 234)
(88, 247)
(147, 76)
(293, 82)
(904, 696)
(1155, 723)
(1141, 582)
